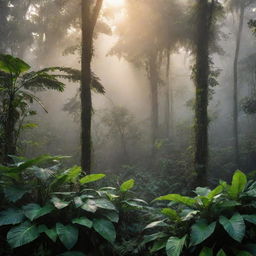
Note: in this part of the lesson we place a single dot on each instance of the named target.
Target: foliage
(17, 87)
(215, 222)
(54, 208)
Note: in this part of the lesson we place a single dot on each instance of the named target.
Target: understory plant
(214, 222)
(49, 211)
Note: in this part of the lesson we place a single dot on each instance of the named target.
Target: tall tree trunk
(201, 83)
(90, 13)
(153, 80)
(235, 88)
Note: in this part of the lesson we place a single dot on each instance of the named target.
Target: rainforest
(127, 127)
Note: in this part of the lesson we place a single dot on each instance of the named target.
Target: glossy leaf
(83, 221)
(34, 211)
(178, 199)
(22, 234)
(68, 235)
(174, 246)
(105, 228)
(127, 185)
(201, 230)
(235, 226)
(238, 184)
(91, 178)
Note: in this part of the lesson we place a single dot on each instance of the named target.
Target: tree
(17, 85)
(239, 7)
(90, 12)
(148, 35)
(201, 79)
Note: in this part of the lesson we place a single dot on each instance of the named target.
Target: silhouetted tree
(90, 12)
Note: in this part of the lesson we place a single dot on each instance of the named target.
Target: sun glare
(114, 3)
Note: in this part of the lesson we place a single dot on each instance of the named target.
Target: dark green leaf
(22, 234)
(68, 235)
(83, 221)
(34, 211)
(105, 228)
(201, 231)
(13, 194)
(11, 216)
(235, 226)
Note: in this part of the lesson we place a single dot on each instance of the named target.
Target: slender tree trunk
(9, 133)
(153, 80)
(167, 100)
(235, 88)
(201, 83)
(90, 12)
(169, 108)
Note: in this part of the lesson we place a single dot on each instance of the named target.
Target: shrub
(215, 222)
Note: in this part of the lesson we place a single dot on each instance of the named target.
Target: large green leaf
(83, 221)
(91, 178)
(11, 216)
(179, 199)
(22, 234)
(105, 228)
(34, 211)
(174, 246)
(38, 160)
(68, 235)
(235, 226)
(201, 231)
(10, 64)
(127, 185)
(206, 251)
(238, 185)
(14, 193)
